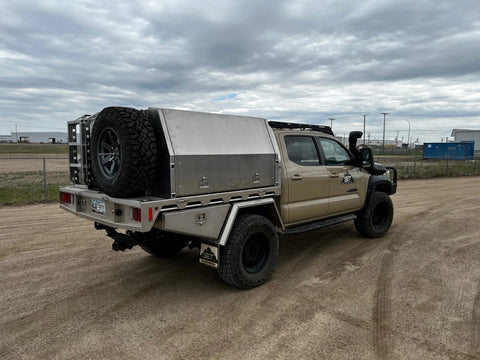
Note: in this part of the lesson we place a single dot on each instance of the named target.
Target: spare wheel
(124, 152)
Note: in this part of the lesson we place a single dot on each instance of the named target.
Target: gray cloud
(299, 60)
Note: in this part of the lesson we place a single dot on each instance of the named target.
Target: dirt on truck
(230, 185)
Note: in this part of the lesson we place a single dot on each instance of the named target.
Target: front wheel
(375, 219)
(250, 254)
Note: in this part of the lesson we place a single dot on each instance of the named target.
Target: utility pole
(384, 118)
(364, 116)
(408, 132)
(331, 123)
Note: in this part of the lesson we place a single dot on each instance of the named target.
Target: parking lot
(414, 294)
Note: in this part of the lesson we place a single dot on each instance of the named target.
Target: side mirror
(366, 154)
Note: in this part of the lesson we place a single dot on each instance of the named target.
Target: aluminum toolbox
(201, 153)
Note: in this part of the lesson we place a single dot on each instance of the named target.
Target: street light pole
(384, 118)
(331, 122)
(408, 139)
(364, 116)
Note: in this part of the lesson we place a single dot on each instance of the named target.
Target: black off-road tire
(249, 257)
(162, 244)
(123, 152)
(375, 220)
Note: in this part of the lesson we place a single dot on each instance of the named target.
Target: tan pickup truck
(169, 179)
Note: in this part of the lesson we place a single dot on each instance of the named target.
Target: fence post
(414, 168)
(45, 178)
(446, 168)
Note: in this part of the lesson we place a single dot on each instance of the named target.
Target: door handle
(334, 175)
(296, 177)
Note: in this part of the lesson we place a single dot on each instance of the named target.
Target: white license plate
(98, 207)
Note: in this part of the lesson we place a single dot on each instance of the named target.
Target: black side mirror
(366, 154)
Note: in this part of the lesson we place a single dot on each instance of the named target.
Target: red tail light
(137, 215)
(66, 198)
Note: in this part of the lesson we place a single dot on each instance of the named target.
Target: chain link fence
(419, 168)
(25, 179)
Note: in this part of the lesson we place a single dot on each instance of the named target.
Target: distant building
(40, 137)
(379, 143)
(467, 135)
(5, 139)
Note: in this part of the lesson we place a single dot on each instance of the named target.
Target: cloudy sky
(298, 61)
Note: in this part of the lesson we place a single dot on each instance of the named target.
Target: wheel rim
(379, 215)
(108, 153)
(255, 253)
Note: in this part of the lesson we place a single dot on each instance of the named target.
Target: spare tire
(123, 152)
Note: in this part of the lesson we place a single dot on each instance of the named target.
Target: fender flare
(382, 183)
(265, 207)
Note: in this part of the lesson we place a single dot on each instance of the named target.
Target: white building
(467, 135)
(5, 138)
(40, 137)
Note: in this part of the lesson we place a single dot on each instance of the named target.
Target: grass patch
(428, 169)
(27, 194)
(24, 149)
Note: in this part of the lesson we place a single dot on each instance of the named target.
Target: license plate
(98, 207)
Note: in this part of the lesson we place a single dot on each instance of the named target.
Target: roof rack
(285, 125)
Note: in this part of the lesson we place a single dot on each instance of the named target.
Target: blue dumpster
(451, 151)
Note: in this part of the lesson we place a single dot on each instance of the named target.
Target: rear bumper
(138, 214)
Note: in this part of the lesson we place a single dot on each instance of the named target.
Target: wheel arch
(265, 207)
(379, 183)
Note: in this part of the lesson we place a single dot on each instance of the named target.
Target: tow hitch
(121, 242)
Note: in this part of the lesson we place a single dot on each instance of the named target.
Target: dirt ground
(414, 294)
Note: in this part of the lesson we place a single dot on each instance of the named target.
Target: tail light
(66, 198)
(137, 214)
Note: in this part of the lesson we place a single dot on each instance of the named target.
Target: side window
(335, 154)
(302, 150)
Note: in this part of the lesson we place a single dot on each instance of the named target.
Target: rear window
(302, 150)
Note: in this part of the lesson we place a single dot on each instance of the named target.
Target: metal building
(467, 135)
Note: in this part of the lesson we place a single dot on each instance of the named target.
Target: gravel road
(414, 294)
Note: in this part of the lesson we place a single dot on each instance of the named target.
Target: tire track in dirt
(382, 299)
(381, 309)
(383, 341)
(475, 341)
(83, 317)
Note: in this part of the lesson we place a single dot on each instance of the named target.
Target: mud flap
(209, 255)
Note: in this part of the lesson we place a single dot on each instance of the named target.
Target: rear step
(319, 224)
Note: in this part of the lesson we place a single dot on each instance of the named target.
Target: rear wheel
(250, 254)
(124, 152)
(375, 220)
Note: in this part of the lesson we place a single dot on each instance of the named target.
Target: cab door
(346, 181)
(307, 181)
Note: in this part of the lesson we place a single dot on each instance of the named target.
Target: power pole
(331, 122)
(364, 116)
(408, 139)
(384, 118)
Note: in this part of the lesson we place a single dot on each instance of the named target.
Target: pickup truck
(229, 185)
